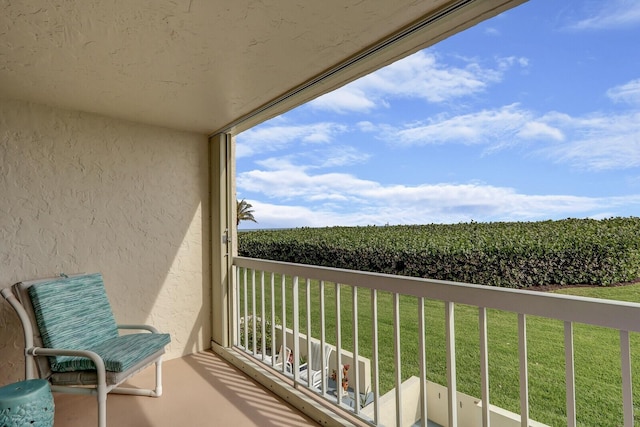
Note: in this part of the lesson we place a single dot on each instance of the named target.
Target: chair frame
(102, 386)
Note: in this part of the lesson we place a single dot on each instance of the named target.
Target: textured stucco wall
(86, 193)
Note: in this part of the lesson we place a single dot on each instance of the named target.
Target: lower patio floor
(201, 389)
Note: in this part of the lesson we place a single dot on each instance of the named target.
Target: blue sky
(529, 116)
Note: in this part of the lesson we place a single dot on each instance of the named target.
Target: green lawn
(597, 356)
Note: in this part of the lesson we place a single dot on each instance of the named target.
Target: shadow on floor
(201, 389)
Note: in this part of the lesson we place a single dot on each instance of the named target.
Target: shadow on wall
(84, 193)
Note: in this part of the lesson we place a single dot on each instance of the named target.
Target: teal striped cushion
(73, 313)
(118, 354)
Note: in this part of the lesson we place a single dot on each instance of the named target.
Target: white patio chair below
(312, 370)
(277, 364)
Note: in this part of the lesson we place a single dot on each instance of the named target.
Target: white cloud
(510, 61)
(628, 93)
(594, 142)
(326, 157)
(421, 75)
(597, 142)
(497, 127)
(536, 130)
(277, 163)
(294, 181)
(283, 216)
(264, 139)
(612, 14)
(366, 126)
(341, 155)
(329, 199)
(349, 98)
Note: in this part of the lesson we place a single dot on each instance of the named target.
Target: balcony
(268, 295)
(284, 294)
(142, 189)
(102, 173)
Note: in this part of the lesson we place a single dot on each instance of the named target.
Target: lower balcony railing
(390, 350)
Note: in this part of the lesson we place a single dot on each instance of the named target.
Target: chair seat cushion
(90, 378)
(119, 354)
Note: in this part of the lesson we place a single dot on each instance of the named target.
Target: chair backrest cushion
(73, 313)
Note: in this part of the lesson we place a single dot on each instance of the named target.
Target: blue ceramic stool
(26, 403)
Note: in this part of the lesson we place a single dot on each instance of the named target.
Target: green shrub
(268, 338)
(516, 255)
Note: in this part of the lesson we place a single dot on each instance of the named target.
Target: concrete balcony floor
(198, 390)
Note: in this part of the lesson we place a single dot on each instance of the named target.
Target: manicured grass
(597, 355)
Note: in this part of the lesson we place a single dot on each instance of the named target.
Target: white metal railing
(617, 315)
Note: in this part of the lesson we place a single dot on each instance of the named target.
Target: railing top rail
(607, 313)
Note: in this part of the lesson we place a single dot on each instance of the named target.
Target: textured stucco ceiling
(196, 65)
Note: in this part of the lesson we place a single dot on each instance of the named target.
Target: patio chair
(72, 338)
(277, 364)
(311, 372)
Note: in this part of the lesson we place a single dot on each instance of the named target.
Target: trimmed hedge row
(515, 255)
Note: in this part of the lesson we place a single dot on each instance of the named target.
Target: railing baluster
(296, 331)
(524, 370)
(627, 392)
(570, 374)
(374, 363)
(338, 346)
(283, 352)
(254, 344)
(236, 333)
(308, 290)
(397, 357)
(354, 365)
(422, 359)
(322, 335)
(451, 363)
(274, 341)
(484, 366)
(263, 317)
(246, 312)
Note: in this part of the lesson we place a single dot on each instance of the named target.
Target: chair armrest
(142, 327)
(95, 358)
(43, 351)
